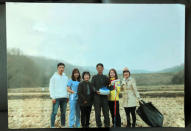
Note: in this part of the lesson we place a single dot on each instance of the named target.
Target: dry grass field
(31, 107)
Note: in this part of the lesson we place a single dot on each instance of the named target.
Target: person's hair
(116, 76)
(126, 71)
(84, 73)
(99, 64)
(59, 64)
(75, 70)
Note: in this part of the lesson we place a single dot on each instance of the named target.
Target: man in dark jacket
(100, 101)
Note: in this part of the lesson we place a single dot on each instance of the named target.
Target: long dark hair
(75, 70)
(116, 76)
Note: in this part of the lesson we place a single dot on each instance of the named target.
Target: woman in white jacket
(128, 87)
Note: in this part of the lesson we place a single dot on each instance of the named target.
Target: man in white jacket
(59, 94)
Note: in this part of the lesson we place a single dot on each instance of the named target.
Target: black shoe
(128, 125)
(115, 126)
(87, 126)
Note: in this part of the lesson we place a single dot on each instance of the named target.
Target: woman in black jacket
(85, 99)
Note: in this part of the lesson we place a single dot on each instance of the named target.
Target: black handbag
(150, 114)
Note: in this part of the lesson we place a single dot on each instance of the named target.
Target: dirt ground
(35, 112)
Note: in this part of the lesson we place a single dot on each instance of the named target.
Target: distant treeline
(30, 71)
(160, 78)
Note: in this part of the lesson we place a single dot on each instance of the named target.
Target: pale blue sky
(139, 36)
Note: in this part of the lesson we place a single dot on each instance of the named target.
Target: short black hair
(99, 64)
(127, 71)
(59, 64)
(84, 73)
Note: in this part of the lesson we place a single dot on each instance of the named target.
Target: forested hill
(30, 71)
(24, 71)
(177, 68)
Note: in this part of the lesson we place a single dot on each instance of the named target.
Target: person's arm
(67, 91)
(108, 84)
(80, 92)
(69, 87)
(118, 86)
(92, 93)
(135, 89)
(122, 84)
(110, 87)
(107, 81)
(93, 84)
(92, 89)
(52, 89)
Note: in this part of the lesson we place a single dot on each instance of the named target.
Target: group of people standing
(83, 94)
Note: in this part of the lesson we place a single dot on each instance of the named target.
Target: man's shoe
(133, 125)
(128, 125)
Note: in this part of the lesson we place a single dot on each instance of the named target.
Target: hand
(111, 88)
(53, 101)
(72, 92)
(140, 99)
(123, 83)
(112, 83)
(67, 100)
(122, 88)
(85, 102)
(98, 92)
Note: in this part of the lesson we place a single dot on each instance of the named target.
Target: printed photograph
(95, 65)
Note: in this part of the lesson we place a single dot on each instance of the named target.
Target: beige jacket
(130, 93)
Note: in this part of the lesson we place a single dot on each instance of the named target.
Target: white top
(130, 93)
(58, 86)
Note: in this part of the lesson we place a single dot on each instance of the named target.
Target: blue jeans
(74, 117)
(62, 102)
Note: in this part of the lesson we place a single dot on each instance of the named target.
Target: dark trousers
(130, 110)
(105, 109)
(62, 103)
(85, 115)
(112, 111)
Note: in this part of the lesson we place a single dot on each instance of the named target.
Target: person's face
(112, 74)
(126, 75)
(76, 75)
(61, 69)
(86, 77)
(100, 69)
